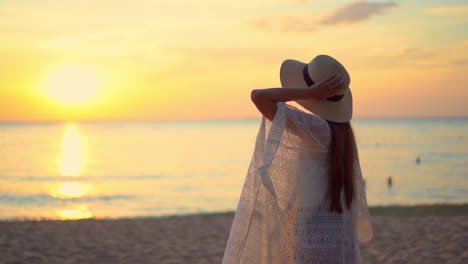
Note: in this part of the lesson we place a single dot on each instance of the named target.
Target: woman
(303, 199)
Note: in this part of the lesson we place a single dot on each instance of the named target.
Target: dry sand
(400, 237)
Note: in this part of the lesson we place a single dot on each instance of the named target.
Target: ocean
(140, 169)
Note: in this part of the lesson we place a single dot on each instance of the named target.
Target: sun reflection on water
(72, 159)
(71, 163)
(68, 190)
(78, 212)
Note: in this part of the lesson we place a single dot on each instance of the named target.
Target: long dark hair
(341, 160)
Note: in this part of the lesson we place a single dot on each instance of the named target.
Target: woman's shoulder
(313, 126)
(306, 116)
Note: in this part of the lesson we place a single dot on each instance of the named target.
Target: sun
(73, 85)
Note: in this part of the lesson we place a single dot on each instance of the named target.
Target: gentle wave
(81, 178)
(41, 199)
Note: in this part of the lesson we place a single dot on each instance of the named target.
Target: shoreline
(438, 209)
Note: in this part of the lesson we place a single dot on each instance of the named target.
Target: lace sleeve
(307, 126)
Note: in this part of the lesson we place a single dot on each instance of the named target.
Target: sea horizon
(216, 119)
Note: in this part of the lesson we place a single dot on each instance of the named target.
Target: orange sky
(160, 60)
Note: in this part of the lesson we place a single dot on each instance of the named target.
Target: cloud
(447, 10)
(306, 22)
(356, 11)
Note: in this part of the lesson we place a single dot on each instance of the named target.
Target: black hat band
(309, 83)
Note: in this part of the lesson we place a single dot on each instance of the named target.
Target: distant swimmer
(389, 182)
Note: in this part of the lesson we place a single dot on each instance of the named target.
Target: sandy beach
(431, 234)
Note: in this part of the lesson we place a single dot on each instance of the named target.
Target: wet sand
(431, 234)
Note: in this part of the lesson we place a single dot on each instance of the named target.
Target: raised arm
(265, 99)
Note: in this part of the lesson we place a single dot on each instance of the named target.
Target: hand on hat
(328, 87)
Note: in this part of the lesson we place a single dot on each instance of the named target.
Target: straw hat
(296, 74)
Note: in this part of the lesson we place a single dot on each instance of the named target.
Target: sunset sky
(199, 59)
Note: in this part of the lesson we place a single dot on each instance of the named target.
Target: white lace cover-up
(282, 215)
